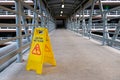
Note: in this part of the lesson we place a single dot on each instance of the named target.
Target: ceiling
(70, 6)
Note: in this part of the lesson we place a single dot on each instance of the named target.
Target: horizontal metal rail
(7, 9)
(8, 56)
(14, 25)
(14, 38)
(113, 9)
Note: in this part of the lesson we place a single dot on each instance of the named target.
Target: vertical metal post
(25, 24)
(80, 21)
(77, 27)
(83, 23)
(35, 14)
(51, 23)
(71, 23)
(116, 33)
(104, 19)
(41, 11)
(18, 29)
(101, 8)
(29, 12)
(47, 21)
(44, 20)
(74, 23)
(104, 28)
(90, 19)
(68, 24)
(33, 25)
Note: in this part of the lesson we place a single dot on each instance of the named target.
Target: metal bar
(113, 9)
(80, 26)
(83, 23)
(29, 7)
(8, 25)
(25, 25)
(35, 14)
(14, 38)
(5, 58)
(12, 11)
(77, 24)
(33, 26)
(71, 23)
(7, 9)
(101, 8)
(41, 11)
(13, 25)
(116, 33)
(105, 28)
(90, 18)
(79, 5)
(18, 28)
(45, 20)
(88, 3)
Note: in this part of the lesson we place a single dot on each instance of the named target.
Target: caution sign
(49, 55)
(40, 51)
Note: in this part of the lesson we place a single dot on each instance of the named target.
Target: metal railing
(19, 45)
(86, 26)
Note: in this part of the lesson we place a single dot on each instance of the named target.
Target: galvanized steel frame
(21, 17)
(106, 39)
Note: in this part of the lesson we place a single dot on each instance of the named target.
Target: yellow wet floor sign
(40, 51)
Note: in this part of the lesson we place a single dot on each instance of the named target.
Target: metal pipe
(18, 28)
(90, 18)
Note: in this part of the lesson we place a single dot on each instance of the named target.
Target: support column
(90, 19)
(116, 33)
(18, 29)
(35, 14)
(41, 11)
(74, 23)
(104, 19)
(83, 23)
(80, 22)
(48, 22)
(24, 22)
(71, 23)
(105, 30)
(45, 19)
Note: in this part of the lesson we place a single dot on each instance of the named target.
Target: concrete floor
(77, 59)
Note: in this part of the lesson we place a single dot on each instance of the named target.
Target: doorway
(60, 24)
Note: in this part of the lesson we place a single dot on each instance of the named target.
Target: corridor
(77, 58)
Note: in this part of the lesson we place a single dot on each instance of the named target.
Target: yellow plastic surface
(40, 51)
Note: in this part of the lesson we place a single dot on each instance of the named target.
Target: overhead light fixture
(61, 12)
(62, 5)
(77, 15)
